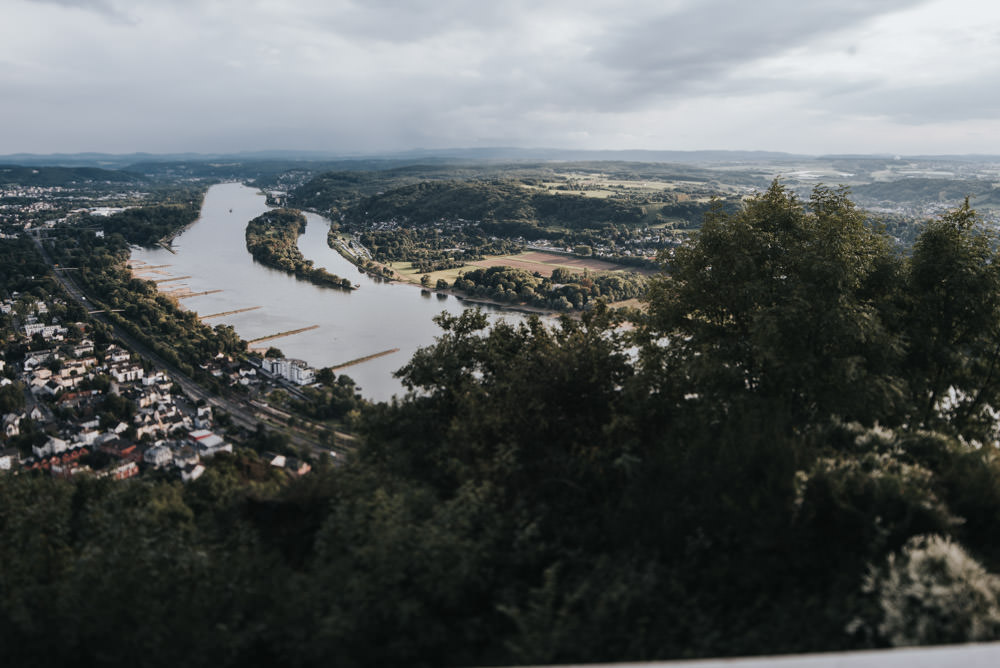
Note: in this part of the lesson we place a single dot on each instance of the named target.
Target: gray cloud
(412, 21)
(692, 50)
(378, 74)
(923, 105)
(107, 8)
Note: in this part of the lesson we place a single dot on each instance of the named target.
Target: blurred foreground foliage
(793, 450)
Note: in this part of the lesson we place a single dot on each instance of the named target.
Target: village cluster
(97, 409)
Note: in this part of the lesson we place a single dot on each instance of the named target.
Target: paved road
(242, 414)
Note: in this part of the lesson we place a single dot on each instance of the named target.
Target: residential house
(125, 372)
(10, 459)
(185, 455)
(86, 436)
(12, 424)
(121, 449)
(191, 472)
(84, 402)
(53, 446)
(115, 354)
(52, 387)
(32, 328)
(296, 466)
(77, 367)
(158, 456)
(82, 349)
(122, 471)
(37, 358)
(207, 443)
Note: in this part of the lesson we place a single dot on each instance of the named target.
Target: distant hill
(57, 176)
(492, 202)
(480, 154)
(628, 155)
(919, 190)
(103, 160)
(506, 154)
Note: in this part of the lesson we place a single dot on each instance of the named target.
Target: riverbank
(257, 301)
(272, 239)
(358, 255)
(535, 310)
(448, 277)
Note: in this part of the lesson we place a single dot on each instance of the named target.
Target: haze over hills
(96, 159)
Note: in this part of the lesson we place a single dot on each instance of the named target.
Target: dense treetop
(479, 201)
(794, 450)
(273, 239)
(147, 225)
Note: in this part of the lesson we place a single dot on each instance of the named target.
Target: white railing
(950, 656)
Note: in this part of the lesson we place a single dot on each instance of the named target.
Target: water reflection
(377, 317)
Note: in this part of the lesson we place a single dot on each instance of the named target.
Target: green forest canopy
(803, 416)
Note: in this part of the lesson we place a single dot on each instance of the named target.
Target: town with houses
(97, 409)
(24, 205)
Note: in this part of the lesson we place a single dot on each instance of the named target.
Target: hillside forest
(794, 449)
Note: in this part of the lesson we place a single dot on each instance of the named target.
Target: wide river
(378, 316)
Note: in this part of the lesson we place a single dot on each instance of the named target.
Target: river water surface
(376, 317)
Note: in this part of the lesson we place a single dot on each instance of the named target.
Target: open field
(406, 271)
(546, 263)
(543, 263)
(599, 185)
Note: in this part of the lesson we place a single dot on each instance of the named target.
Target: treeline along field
(562, 291)
(447, 219)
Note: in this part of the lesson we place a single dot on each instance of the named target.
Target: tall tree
(784, 302)
(952, 321)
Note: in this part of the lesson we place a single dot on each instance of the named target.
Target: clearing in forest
(546, 263)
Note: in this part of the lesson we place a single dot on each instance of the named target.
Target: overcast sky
(805, 76)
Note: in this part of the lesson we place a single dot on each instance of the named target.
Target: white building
(158, 455)
(207, 443)
(84, 348)
(116, 353)
(32, 328)
(86, 437)
(124, 373)
(11, 425)
(192, 472)
(8, 458)
(295, 371)
(53, 446)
